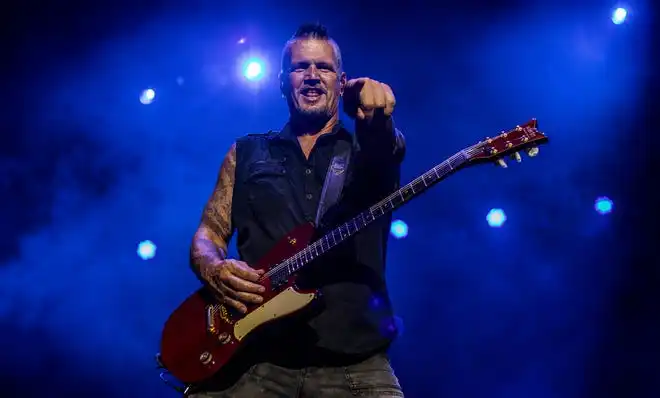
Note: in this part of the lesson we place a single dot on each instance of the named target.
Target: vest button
(308, 171)
(309, 196)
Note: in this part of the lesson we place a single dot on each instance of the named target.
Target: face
(311, 81)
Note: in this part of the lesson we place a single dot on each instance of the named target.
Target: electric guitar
(202, 334)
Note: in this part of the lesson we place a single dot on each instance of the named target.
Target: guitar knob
(224, 338)
(206, 358)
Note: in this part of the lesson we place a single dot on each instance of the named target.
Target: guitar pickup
(211, 325)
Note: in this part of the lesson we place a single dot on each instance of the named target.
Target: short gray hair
(312, 31)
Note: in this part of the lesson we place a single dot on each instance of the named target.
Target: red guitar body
(202, 335)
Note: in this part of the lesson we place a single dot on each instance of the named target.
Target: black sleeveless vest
(277, 189)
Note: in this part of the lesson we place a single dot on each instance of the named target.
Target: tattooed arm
(209, 246)
(229, 278)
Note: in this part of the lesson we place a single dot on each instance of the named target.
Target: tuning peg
(533, 151)
(502, 163)
(517, 157)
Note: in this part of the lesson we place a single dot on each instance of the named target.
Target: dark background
(559, 302)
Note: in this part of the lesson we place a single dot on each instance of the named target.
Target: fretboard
(359, 222)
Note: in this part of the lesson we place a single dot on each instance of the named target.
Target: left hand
(366, 98)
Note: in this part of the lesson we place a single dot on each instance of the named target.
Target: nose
(312, 75)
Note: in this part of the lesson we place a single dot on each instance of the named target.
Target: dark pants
(373, 377)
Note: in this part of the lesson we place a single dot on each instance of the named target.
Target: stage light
(253, 69)
(496, 218)
(146, 250)
(603, 205)
(147, 96)
(399, 229)
(619, 16)
(241, 40)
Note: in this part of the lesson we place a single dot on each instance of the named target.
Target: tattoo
(205, 256)
(217, 213)
(209, 245)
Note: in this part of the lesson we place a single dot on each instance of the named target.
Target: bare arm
(209, 246)
(231, 279)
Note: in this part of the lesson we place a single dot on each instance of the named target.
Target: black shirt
(277, 189)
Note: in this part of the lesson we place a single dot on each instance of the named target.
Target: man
(270, 183)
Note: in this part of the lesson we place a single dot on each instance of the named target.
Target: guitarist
(270, 183)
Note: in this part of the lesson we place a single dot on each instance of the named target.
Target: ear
(342, 83)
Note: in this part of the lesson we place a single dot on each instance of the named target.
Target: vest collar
(339, 131)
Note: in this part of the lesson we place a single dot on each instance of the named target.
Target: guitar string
(302, 255)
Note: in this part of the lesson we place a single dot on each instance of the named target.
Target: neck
(307, 128)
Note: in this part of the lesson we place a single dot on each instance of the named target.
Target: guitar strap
(334, 178)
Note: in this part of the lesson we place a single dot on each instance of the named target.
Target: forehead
(312, 50)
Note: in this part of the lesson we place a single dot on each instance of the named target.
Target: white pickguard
(285, 303)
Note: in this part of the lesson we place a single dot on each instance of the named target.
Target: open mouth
(312, 92)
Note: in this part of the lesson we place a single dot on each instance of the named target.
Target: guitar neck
(385, 206)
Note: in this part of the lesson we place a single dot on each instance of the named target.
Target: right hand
(235, 282)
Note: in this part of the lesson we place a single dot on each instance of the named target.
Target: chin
(313, 116)
(314, 112)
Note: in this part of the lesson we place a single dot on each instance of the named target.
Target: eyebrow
(325, 64)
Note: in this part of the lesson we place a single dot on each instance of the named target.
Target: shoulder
(257, 137)
(253, 145)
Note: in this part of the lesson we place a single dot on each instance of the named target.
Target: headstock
(522, 138)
